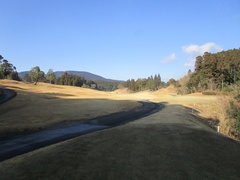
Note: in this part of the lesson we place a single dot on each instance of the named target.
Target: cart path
(20, 144)
(6, 95)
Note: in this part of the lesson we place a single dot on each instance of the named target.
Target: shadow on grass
(14, 87)
(46, 95)
(156, 151)
(16, 145)
(32, 112)
(55, 95)
(210, 122)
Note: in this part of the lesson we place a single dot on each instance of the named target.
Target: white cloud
(169, 58)
(195, 50)
(191, 64)
(200, 50)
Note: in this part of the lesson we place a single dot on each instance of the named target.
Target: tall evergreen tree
(151, 83)
(216, 70)
(71, 80)
(50, 75)
(1, 58)
(7, 70)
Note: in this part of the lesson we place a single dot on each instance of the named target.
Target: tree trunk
(222, 84)
(234, 75)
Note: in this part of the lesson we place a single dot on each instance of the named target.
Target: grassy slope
(45, 105)
(142, 149)
(170, 144)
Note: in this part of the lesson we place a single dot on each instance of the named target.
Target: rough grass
(45, 105)
(170, 144)
(225, 122)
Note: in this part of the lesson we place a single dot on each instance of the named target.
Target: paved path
(16, 145)
(169, 144)
(6, 95)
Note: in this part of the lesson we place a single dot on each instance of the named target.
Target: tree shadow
(40, 111)
(45, 95)
(210, 122)
(55, 95)
(14, 87)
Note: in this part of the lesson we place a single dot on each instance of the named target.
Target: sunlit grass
(44, 105)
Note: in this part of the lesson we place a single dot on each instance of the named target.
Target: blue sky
(117, 39)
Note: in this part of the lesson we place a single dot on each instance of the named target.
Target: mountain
(86, 75)
(22, 74)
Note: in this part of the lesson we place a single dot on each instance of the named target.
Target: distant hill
(22, 74)
(86, 75)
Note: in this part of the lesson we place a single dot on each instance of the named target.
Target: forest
(35, 75)
(150, 83)
(217, 74)
(74, 80)
(71, 80)
(7, 70)
(213, 71)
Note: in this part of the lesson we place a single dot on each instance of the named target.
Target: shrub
(209, 93)
(233, 113)
(237, 97)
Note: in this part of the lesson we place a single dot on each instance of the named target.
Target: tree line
(7, 70)
(141, 84)
(35, 75)
(213, 71)
(217, 73)
(107, 85)
(74, 80)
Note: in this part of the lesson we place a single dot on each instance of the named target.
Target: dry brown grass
(45, 105)
(143, 149)
(169, 144)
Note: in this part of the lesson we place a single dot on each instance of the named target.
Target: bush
(85, 86)
(237, 97)
(233, 113)
(209, 93)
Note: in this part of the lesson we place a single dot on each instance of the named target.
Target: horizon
(89, 73)
(119, 40)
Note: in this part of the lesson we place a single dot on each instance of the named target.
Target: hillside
(86, 75)
(55, 103)
(45, 105)
(151, 147)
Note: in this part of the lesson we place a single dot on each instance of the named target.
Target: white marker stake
(218, 130)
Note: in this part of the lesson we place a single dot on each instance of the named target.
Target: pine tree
(50, 76)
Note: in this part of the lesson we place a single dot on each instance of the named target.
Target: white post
(218, 129)
(193, 109)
